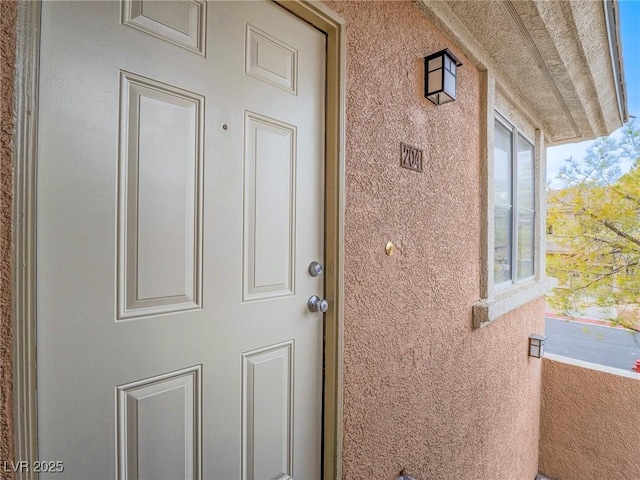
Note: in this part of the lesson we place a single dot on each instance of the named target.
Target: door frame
(25, 412)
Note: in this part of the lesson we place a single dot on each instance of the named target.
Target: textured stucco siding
(423, 390)
(7, 62)
(590, 424)
(515, 116)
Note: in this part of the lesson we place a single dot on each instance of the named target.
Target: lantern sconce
(440, 77)
(536, 345)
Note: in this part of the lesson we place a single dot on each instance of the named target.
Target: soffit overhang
(559, 61)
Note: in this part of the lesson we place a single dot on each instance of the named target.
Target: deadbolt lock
(315, 269)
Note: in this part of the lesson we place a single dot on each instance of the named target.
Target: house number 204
(410, 157)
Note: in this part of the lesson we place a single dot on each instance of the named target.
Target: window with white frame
(514, 205)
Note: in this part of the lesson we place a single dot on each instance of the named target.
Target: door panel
(271, 60)
(267, 430)
(180, 22)
(159, 426)
(269, 212)
(180, 188)
(160, 175)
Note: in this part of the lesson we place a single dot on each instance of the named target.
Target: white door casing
(180, 202)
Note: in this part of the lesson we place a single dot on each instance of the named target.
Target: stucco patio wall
(590, 422)
(7, 61)
(423, 390)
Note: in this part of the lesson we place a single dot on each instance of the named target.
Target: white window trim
(494, 303)
(487, 310)
(515, 133)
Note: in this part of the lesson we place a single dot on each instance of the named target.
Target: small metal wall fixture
(440, 76)
(404, 476)
(536, 345)
(390, 248)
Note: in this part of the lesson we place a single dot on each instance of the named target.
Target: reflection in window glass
(502, 204)
(526, 198)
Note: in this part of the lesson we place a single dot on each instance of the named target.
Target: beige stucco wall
(7, 59)
(590, 424)
(422, 389)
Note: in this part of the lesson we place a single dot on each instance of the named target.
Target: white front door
(180, 204)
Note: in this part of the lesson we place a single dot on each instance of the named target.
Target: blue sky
(630, 37)
(630, 33)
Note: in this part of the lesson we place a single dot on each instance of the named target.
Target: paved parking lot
(614, 347)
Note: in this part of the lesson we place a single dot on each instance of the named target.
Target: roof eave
(549, 58)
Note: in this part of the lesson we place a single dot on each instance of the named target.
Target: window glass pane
(502, 203)
(502, 242)
(502, 165)
(435, 81)
(435, 63)
(525, 242)
(449, 83)
(526, 196)
(525, 187)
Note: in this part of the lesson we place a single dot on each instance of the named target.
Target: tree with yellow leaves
(595, 222)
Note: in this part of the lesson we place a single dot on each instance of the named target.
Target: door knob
(315, 269)
(317, 304)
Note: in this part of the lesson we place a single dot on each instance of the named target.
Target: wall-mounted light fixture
(440, 76)
(536, 345)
